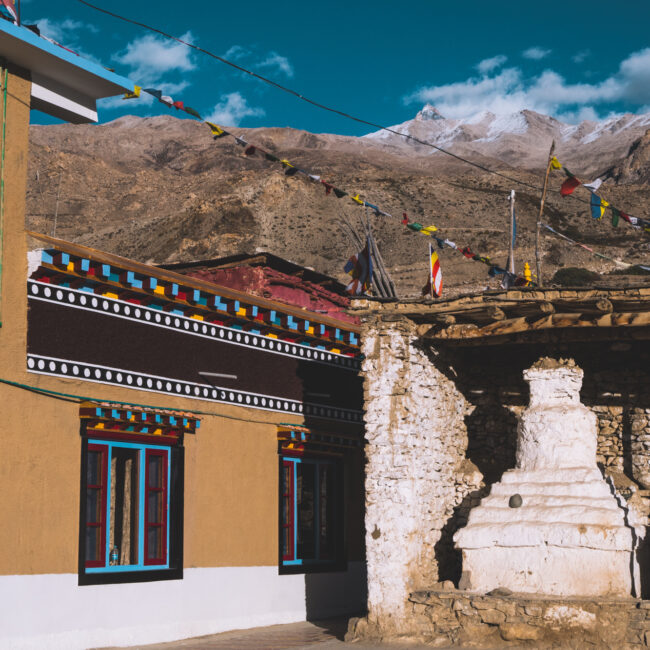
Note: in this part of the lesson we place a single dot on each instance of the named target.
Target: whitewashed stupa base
(569, 537)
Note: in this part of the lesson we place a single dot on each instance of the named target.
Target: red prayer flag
(569, 185)
(328, 187)
(405, 218)
(250, 151)
(179, 105)
(467, 252)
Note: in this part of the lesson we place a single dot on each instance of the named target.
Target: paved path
(321, 635)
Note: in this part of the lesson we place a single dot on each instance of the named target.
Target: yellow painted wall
(231, 466)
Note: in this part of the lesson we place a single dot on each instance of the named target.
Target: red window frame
(101, 486)
(148, 560)
(288, 495)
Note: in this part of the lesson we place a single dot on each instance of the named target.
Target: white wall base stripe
(51, 611)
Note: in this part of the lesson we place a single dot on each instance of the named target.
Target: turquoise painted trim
(27, 36)
(141, 488)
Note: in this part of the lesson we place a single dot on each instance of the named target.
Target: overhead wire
(316, 103)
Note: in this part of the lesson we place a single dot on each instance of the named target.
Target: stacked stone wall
(447, 617)
(416, 472)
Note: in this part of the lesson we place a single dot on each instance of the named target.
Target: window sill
(121, 577)
(313, 567)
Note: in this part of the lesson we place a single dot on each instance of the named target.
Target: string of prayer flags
(598, 206)
(433, 286)
(10, 8)
(587, 248)
(134, 94)
(359, 266)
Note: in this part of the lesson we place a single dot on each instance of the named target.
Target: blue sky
(381, 60)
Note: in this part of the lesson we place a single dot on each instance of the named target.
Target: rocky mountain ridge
(161, 190)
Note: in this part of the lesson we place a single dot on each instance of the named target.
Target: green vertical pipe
(2, 178)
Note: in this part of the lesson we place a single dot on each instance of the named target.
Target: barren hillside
(161, 190)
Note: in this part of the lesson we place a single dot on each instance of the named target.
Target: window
(131, 526)
(310, 514)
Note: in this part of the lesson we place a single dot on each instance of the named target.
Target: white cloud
(63, 31)
(535, 53)
(236, 52)
(509, 91)
(280, 63)
(232, 109)
(149, 57)
(579, 57)
(487, 65)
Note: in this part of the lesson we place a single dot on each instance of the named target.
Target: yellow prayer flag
(429, 230)
(216, 130)
(555, 163)
(286, 163)
(357, 199)
(134, 94)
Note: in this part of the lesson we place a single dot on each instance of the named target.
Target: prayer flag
(339, 193)
(240, 141)
(357, 199)
(615, 217)
(290, 171)
(598, 206)
(286, 163)
(360, 268)
(467, 252)
(250, 151)
(569, 185)
(405, 218)
(271, 157)
(328, 187)
(156, 93)
(555, 163)
(192, 112)
(217, 131)
(135, 93)
(593, 186)
(374, 207)
(428, 230)
(451, 244)
(434, 283)
(166, 99)
(414, 226)
(11, 8)
(314, 178)
(178, 105)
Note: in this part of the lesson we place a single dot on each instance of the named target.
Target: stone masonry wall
(448, 617)
(416, 471)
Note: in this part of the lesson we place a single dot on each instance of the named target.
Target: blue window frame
(310, 512)
(127, 506)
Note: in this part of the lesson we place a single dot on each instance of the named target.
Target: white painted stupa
(552, 525)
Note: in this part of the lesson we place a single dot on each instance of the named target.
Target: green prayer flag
(415, 226)
(615, 217)
(191, 111)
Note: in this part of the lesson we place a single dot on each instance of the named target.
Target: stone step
(551, 500)
(535, 534)
(597, 489)
(572, 515)
(554, 475)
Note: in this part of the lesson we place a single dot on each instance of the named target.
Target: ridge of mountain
(160, 189)
(521, 138)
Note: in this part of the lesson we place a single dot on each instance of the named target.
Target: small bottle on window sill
(115, 556)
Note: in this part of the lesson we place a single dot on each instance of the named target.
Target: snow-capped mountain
(522, 138)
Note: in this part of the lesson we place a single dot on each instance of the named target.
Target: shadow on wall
(616, 387)
(337, 594)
